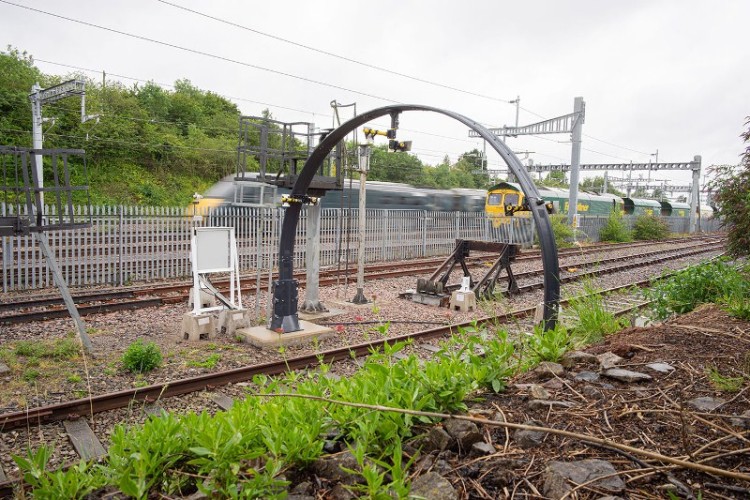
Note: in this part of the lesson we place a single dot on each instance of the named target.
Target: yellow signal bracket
(287, 199)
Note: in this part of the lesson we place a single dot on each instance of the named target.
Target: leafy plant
(547, 345)
(31, 375)
(562, 230)
(738, 307)
(76, 482)
(615, 229)
(650, 227)
(722, 383)
(74, 378)
(209, 362)
(141, 357)
(594, 320)
(730, 188)
(713, 281)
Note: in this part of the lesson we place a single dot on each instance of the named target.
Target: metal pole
(575, 157)
(312, 261)
(364, 166)
(36, 134)
(694, 193)
(604, 189)
(64, 291)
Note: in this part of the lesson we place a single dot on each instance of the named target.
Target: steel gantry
(571, 123)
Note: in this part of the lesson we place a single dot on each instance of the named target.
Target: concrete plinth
(539, 314)
(232, 319)
(207, 299)
(262, 337)
(198, 326)
(463, 301)
(312, 316)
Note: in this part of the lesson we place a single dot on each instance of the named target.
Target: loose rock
(574, 358)
(626, 375)
(661, 367)
(482, 448)
(706, 403)
(609, 360)
(558, 474)
(586, 377)
(548, 369)
(529, 438)
(433, 486)
(465, 433)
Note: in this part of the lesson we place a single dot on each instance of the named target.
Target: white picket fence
(139, 244)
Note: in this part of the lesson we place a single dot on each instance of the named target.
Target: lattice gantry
(41, 199)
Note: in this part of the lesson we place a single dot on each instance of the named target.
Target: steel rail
(141, 303)
(104, 402)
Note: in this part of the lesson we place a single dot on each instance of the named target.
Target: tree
(394, 166)
(17, 75)
(555, 178)
(596, 184)
(731, 188)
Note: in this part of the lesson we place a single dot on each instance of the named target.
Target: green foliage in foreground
(718, 281)
(615, 230)
(141, 357)
(242, 452)
(731, 194)
(594, 320)
(245, 451)
(561, 229)
(650, 227)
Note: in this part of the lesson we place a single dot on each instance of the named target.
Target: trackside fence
(136, 244)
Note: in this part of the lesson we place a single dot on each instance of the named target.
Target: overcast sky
(671, 75)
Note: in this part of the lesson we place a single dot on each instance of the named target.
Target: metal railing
(135, 244)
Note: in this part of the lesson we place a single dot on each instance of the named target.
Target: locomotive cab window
(511, 199)
(494, 199)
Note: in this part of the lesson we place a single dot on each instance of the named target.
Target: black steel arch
(285, 318)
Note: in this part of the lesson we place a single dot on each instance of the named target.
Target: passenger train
(389, 195)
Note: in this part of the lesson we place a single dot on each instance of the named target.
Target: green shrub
(715, 281)
(546, 345)
(650, 227)
(561, 229)
(141, 358)
(614, 230)
(594, 320)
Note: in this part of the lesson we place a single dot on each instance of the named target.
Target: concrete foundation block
(207, 299)
(539, 313)
(198, 326)
(463, 301)
(262, 337)
(232, 319)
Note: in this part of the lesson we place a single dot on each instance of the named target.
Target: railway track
(77, 410)
(28, 310)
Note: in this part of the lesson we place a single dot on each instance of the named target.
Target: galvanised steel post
(695, 198)
(575, 157)
(364, 166)
(312, 261)
(284, 318)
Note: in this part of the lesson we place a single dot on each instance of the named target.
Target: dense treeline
(153, 146)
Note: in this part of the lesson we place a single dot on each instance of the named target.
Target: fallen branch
(580, 437)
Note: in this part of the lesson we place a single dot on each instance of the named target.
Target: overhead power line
(199, 52)
(331, 54)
